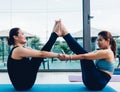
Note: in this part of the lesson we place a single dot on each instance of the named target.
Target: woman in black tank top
(23, 70)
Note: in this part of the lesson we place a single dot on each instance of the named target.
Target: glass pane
(38, 18)
(106, 17)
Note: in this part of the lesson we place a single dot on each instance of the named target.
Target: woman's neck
(18, 45)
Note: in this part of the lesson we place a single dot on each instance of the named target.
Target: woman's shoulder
(102, 51)
(107, 51)
(18, 52)
(19, 49)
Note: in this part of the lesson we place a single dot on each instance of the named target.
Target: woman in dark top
(95, 76)
(23, 62)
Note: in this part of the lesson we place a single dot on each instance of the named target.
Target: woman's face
(21, 37)
(102, 43)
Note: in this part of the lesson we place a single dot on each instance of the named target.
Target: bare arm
(21, 52)
(100, 54)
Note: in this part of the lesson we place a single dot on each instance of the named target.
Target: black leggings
(36, 62)
(93, 78)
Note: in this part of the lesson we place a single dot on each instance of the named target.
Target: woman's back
(20, 72)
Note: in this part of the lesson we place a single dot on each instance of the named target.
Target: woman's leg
(36, 62)
(92, 77)
(47, 47)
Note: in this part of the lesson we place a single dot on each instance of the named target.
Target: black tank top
(17, 69)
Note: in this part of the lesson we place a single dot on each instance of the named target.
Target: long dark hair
(107, 36)
(13, 32)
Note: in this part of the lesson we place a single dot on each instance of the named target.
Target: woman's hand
(64, 57)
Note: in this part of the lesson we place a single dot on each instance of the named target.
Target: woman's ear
(15, 37)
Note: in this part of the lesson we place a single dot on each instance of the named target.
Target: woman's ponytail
(13, 32)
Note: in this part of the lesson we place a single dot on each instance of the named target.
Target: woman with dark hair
(95, 75)
(23, 63)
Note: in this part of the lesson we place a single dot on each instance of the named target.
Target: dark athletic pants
(93, 78)
(37, 61)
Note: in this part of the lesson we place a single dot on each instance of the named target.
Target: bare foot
(57, 29)
(55, 25)
(63, 29)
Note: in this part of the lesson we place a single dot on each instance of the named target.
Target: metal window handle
(90, 17)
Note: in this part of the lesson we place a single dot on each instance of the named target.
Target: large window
(37, 17)
(106, 16)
